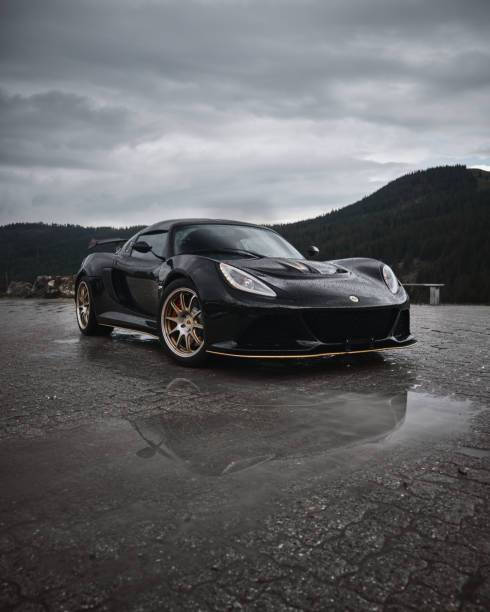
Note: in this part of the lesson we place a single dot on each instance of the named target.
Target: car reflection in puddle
(288, 427)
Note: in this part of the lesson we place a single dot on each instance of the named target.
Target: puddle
(432, 417)
(214, 456)
(470, 451)
(292, 426)
(250, 433)
(216, 435)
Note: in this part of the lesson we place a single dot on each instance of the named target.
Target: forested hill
(30, 249)
(431, 226)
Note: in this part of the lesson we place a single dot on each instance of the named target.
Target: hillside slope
(431, 226)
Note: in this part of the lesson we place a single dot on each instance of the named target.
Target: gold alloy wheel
(83, 305)
(181, 321)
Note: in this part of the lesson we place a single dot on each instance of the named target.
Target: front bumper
(292, 332)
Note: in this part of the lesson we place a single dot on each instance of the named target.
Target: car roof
(167, 225)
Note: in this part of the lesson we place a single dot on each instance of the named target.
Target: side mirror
(312, 251)
(141, 246)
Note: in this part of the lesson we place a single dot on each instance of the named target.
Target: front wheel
(182, 330)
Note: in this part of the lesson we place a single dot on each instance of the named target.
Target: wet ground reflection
(289, 427)
(233, 459)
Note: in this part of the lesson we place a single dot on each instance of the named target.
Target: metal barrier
(434, 291)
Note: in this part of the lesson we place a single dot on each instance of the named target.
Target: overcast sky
(130, 111)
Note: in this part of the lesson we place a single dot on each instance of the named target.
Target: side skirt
(138, 331)
(125, 320)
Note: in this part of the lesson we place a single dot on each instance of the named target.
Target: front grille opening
(341, 325)
(402, 329)
(271, 332)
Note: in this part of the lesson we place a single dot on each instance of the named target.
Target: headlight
(390, 279)
(244, 281)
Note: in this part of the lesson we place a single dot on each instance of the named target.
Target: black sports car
(229, 288)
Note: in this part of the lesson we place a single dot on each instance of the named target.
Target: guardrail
(434, 291)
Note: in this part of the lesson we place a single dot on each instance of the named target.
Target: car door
(136, 274)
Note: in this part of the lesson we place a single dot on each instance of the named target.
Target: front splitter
(308, 355)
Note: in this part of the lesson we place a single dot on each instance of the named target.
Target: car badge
(353, 298)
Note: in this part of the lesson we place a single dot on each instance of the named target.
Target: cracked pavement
(348, 483)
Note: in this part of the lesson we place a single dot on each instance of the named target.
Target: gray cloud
(58, 129)
(126, 111)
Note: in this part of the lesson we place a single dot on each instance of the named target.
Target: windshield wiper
(239, 251)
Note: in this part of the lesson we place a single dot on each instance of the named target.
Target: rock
(66, 285)
(54, 286)
(44, 286)
(40, 286)
(19, 289)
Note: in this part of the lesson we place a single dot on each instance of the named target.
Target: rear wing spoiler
(93, 243)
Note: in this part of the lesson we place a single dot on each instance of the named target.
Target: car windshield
(225, 241)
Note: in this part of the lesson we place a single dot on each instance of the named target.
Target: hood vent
(324, 268)
(311, 268)
(296, 265)
(292, 268)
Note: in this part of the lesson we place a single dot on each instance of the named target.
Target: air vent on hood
(296, 265)
(311, 268)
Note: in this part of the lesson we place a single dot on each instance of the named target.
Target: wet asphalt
(348, 483)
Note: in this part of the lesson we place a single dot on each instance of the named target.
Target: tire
(182, 326)
(85, 311)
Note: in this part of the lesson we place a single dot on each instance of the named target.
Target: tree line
(430, 226)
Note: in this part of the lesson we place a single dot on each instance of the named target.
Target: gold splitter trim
(389, 348)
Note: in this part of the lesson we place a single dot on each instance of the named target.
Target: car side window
(157, 241)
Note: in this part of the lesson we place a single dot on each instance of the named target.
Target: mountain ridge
(429, 225)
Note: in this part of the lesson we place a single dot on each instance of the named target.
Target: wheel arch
(81, 274)
(84, 274)
(173, 276)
